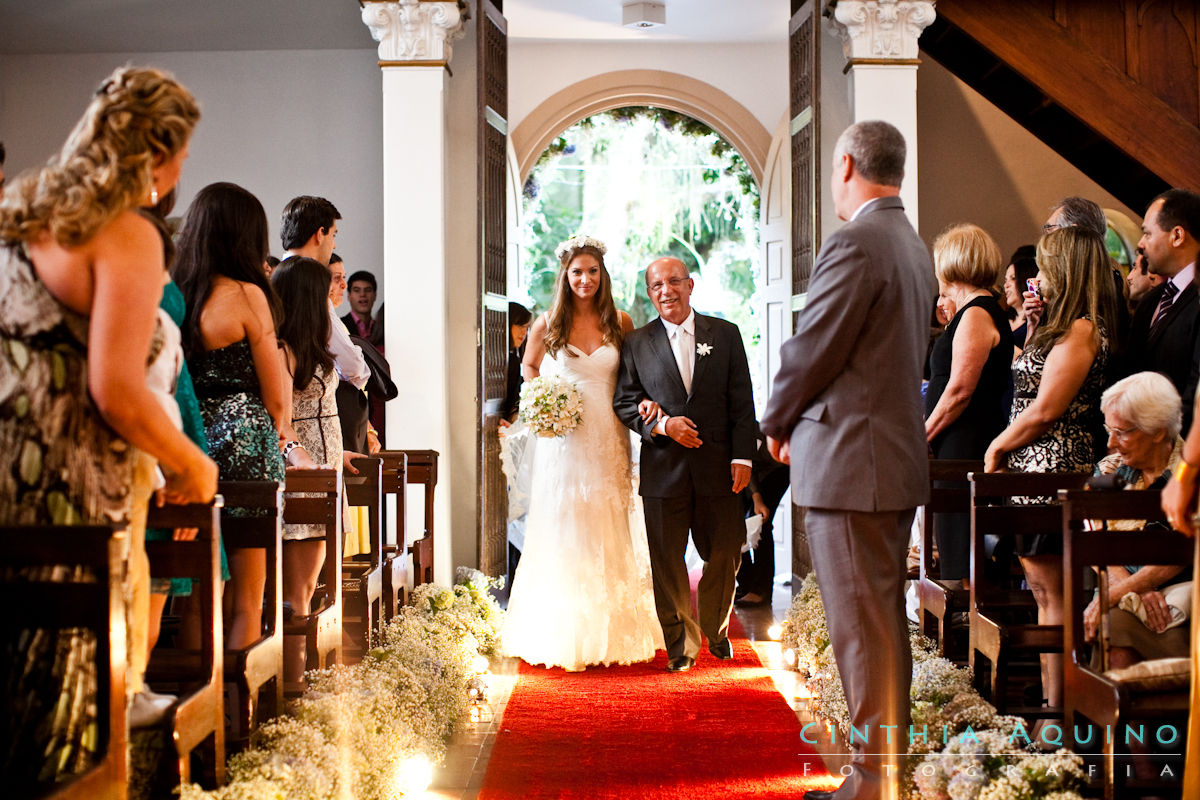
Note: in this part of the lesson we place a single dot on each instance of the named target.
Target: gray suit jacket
(847, 394)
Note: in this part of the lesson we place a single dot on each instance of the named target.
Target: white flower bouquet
(550, 406)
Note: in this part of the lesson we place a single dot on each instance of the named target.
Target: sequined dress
(242, 438)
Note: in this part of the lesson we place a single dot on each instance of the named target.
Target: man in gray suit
(846, 414)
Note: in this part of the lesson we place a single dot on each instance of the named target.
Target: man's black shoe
(680, 664)
(818, 794)
(722, 649)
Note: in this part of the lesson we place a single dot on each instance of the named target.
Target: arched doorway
(649, 182)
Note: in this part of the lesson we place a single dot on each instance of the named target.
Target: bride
(582, 593)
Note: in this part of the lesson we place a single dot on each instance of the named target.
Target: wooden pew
(1004, 630)
(395, 561)
(199, 714)
(322, 629)
(362, 575)
(257, 670)
(422, 469)
(949, 492)
(1090, 696)
(98, 606)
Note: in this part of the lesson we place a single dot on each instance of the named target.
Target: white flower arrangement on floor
(969, 752)
(550, 406)
(356, 727)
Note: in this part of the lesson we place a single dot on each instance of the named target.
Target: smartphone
(1034, 286)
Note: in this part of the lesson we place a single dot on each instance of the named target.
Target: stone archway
(642, 87)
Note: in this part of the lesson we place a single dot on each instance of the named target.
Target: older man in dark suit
(846, 414)
(697, 434)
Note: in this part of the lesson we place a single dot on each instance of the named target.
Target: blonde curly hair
(137, 118)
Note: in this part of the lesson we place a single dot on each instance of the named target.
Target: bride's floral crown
(577, 243)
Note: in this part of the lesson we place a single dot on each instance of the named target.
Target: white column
(879, 38)
(414, 51)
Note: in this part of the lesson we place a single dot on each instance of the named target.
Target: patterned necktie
(1169, 292)
(683, 356)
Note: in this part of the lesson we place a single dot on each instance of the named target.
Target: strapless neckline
(589, 355)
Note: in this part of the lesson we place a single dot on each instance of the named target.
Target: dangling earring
(153, 194)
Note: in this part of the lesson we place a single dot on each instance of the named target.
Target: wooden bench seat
(362, 575)
(421, 469)
(950, 492)
(1090, 695)
(322, 628)
(257, 670)
(1003, 620)
(98, 606)
(394, 479)
(199, 714)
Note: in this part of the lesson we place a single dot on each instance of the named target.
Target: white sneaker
(148, 708)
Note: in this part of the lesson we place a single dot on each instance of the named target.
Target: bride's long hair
(558, 328)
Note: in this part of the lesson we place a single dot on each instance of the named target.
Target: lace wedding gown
(582, 593)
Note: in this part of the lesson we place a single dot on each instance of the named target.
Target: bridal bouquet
(550, 406)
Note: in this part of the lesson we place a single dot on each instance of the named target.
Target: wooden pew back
(97, 605)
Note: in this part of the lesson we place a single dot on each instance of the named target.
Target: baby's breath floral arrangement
(550, 406)
(355, 727)
(967, 752)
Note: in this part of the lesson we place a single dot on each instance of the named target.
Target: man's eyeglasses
(675, 283)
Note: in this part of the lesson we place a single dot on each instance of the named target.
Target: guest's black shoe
(818, 794)
(680, 664)
(722, 649)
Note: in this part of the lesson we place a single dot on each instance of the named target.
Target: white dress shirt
(348, 359)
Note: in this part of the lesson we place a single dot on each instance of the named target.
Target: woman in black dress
(969, 371)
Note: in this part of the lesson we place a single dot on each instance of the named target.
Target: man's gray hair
(877, 149)
(1079, 212)
(1147, 399)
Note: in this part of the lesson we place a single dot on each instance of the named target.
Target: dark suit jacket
(721, 405)
(352, 404)
(848, 391)
(1170, 349)
(376, 337)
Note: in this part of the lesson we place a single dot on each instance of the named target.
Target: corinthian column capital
(882, 29)
(414, 30)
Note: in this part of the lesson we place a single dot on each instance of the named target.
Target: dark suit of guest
(1168, 346)
(847, 399)
(371, 331)
(686, 489)
(513, 383)
(768, 479)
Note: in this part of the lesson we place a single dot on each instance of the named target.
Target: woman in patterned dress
(237, 369)
(303, 287)
(1057, 381)
(81, 274)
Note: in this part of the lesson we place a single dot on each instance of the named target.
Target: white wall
(978, 165)
(753, 74)
(279, 123)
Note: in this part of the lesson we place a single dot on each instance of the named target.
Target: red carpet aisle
(721, 730)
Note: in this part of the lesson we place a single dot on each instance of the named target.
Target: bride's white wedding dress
(582, 592)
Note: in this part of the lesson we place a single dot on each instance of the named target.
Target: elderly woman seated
(1142, 415)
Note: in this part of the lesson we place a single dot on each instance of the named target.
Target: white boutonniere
(703, 349)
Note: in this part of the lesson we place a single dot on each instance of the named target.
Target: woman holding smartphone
(1057, 381)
